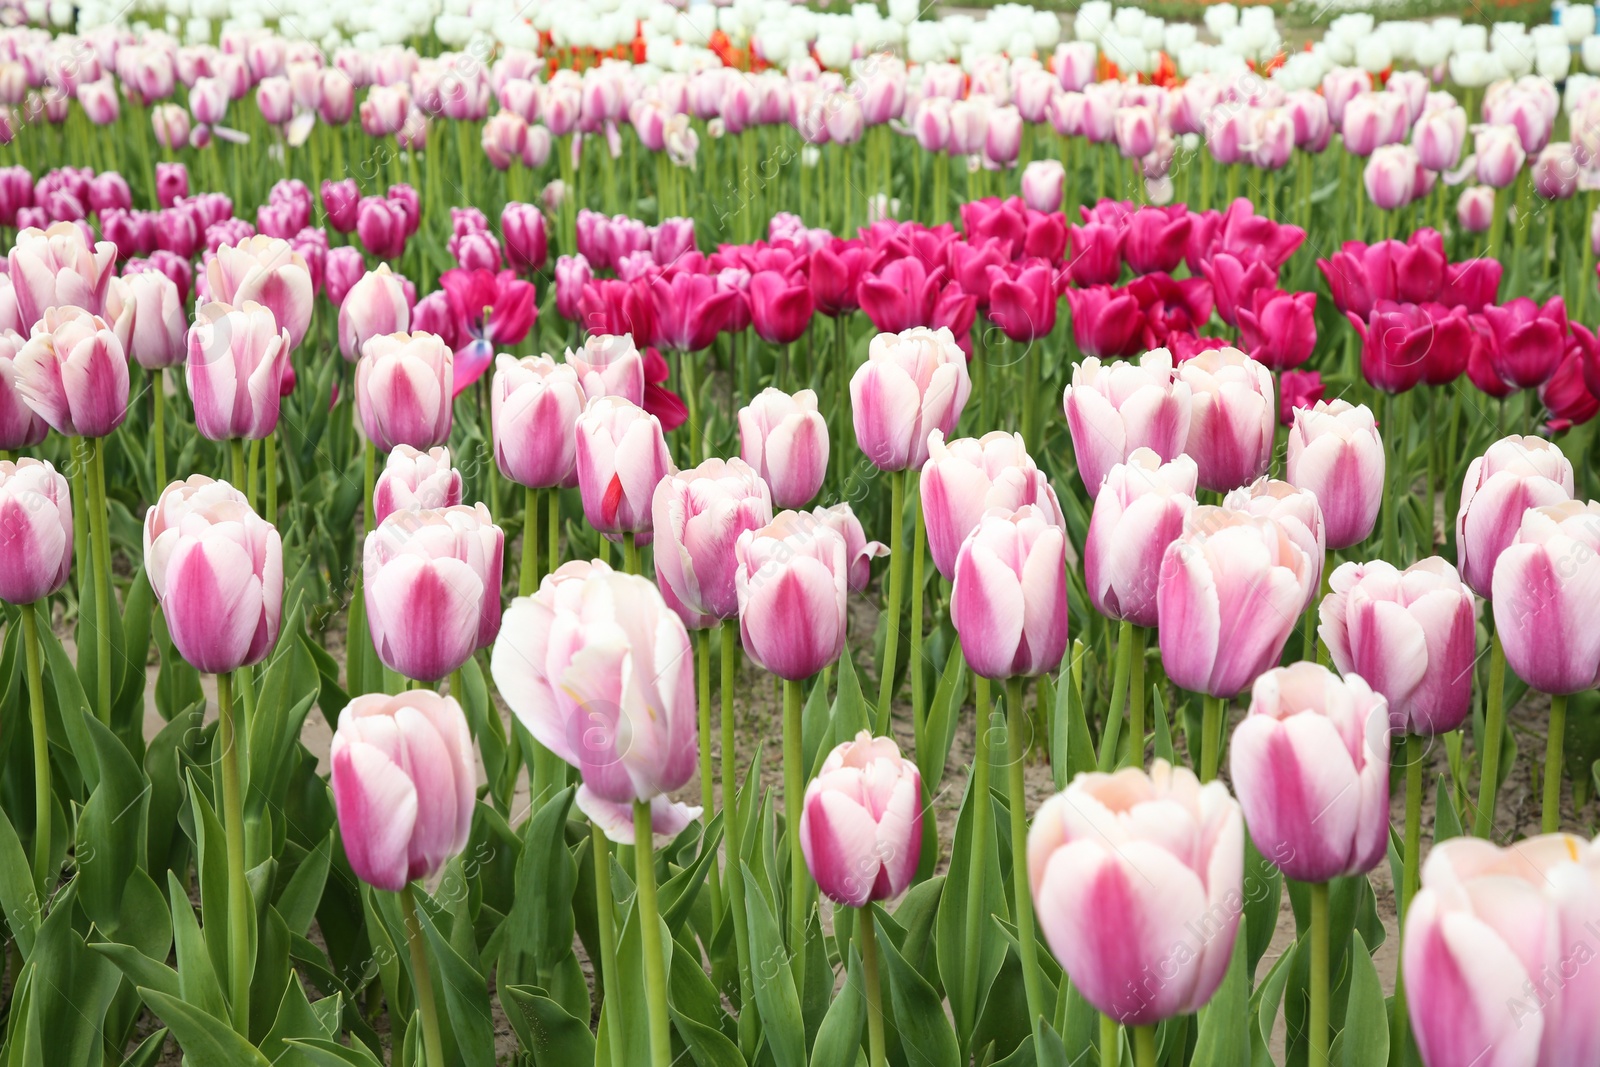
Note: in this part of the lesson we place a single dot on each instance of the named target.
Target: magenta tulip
(1515, 474)
(36, 529)
(621, 456)
(1105, 322)
(697, 517)
(415, 479)
(1022, 300)
(1156, 238)
(911, 384)
(785, 439)
(1009, 603)
(403, 391)
(690, 310)
(1335, 452)
(1529, 339)
(1139, 511)
(1279, 329)
(535, 404)
(901, 295)
(791, 582)
(780, 307)
(861, 826)
(964, 478)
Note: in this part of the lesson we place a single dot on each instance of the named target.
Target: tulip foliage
(795, 550)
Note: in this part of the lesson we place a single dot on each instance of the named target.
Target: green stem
(1318, 1026)
(1119, 694)
(1016, 762)
(708, 789)
(269, 469)
(41, 752)
(732, 832)
(919, 552)
(1108, 1041)
(1413, 747)
(422, 978)
(1211, 736)
(158, 426)
(982, 829)
(369, 479)
(240, 913)
(1144, 1046)
(630, 553)
(1550, 820)
(554, 531)
(869, 965)
(250, 473)
(891, 637)
(606, 920)
(794, 784)
(100, 537)
(1493, 726)
(1136, 695)
(655, 967)
(82, 477)
(528, 574)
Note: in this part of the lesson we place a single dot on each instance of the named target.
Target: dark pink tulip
(475, 251)
(1298, 389)
(1395, 342)
(109, 190)
(1566, 395)
(1514, 475)
(1096, 254)
(1173, 311)
(35, 526)
(1280, 331)
(572, 277)
(432, 314)
(381, 226)
(671, 239)
(492, 310)
(970, 263)
(410, 203)
(1105, 321)
(1243, 233)
(900, 295)
(1235, 281)
(834, 273)
(1480, 362)
(1455, 334)
(780, 307)
(526, 241)
(612, 306)
(172, 182)
(690, 310)
(342, 269)
(1156, 238)
(179, 270)
(668, 407)
(861, 826)
(1022, 300)
(1473, 284)
(16, 193)
(1529, 339)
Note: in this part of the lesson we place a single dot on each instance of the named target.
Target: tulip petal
(377, 806)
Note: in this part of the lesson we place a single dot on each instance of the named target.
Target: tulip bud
(1544, 596)
(912, 383)
(1311, 766)
(1042, 183)
(404, 391)
(1117, 407)
(1336, 453)
(340, 200)
(404, 785)
(785, 439)
(526, 241)
(372, 307)
(1232, 417)
(415, 479)
(1475, 209)
(1515, 474)
(1009, 604)
(216, 569)
(36, 526)
(697, 517)
(535, 404)
(621, 456)
(609, 365)
(791, 583)
(861, 824)
(146, 312)
(1139, 511)
(72, 372)
(1500, 155)
(237, 357)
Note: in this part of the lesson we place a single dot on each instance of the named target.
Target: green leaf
(18, 897)
(140, 969)
(954, 905)
(1366, 1026)
(325, 1052)
(545, 1029)
(1446, 821)
(299, 900)
(944, 715)
(206, 1040)
(1263, 887)
(295, 1017)
(71, 990)
(1071, 747)
(709, 1046)
(73, 706)
(197, 973)
(465, 997)
(147, 1051)
(111, 828)
(773, 979)
(839, 1039)
(918, 1012)
(1224, 1037)
(540, 924)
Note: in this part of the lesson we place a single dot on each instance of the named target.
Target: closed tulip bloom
(698, 515)
(374, 306)
(403, 391)
(1497, 955)
(1009, 602)
(1529, 339)
(432, 582)
(146, 312)
(1438, 137)
(964, 478)
(785, 440)
(1390, 176)
(57, 267)
(268, 271)
(1232, 417)
(20, 425)
(237, 358)
(1043, 181)
(1294, 509)
(1231, 590)
(535, 404)
(526, 238)
(36, 530)
(601, 673)
(1411, 634)
(404, 785)
(1139, 511)
(1311, 766)
(1117, 407)
(609, 365)
(1022, 299)
(791, 581)
(780, 306)
(1499, 154)
(1475, 209)
(858, 551)
(911, 384)
(1545, 587)
(72, 372)
(861, 824)
(621, 456)
(1155, 239)
(415, 479)
(1515, 474)
(1279, 329)
(216, 569)
(1335, 452)
(1162, 853)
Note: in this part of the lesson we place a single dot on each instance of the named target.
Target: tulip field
(758, 535)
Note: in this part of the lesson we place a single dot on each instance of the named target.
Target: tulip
(1412, 634)
(791, 583)
(861, 823)
(57, 267)
(1043, 181)
(690, 310)
(1022, 300)
(900, 296)
(535, 406)
(1311, 765)
(1279, 329)
(216, 569)
(172, 183)
(490, 310)
(416, 479)
(1397, 341)
(785, 439)
(1514, 475)
(1096, 253)
(1500, 155)
(1232, 417)
(964, 479)
(72, 372)
(403, 391)
(1139, 510)
(780, 307)
(1438, 137)
(36, 528)
(403, 785)
(20, 426)
(1113, 409)
(372, 307)
(1336, 453)
(1529, 339)
(270, 272)
(432, 586)
(698, 516)
(1009, 603)
(1491, 950)
(1105, 321)
(237, 358)
(858, 551)
(1155, 239)
(1543, 591)
(1229, 573)
(381, 225)
(1165, 855)
(146, 311)
(609, 365)
(1475, 209)
(1236, 282)
(1296, 511)
(912, 383)
(621, 456)
(526, 239)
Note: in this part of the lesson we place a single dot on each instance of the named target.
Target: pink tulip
(433, 588)
(1296, 511)
(1009, 603)
(237, 358)
(172, 183)
(697, 516)
(1499, 154)
(526, 239)
(861, 826)
(1043, 181)
(621, 456)
(1515, 474)
(36, 528)
(1231, 590)
(1529, 339)
(1279, 329)
(791, 581)
(1165, 856)
(1371, 121)
(1232, 417)
(216, 569)
(780, 307)
(1475, 209)
(403, 391)
(1438, 137)
(382, 227)
(72, 372)
(57, 267)
(535, 407)
(1022, 299)
(146, 312)
(963, 479)
(404, 785)
(374, 306)
(785, 439)
(1311, 767)
(690, 310)
(270, 272)
(1495, 953)
(911, 384)
(1155, 239)
(340, 200)
(858, 551)
(1139, 511)
(1336, 453)
(1114, 408)
(20, 426)
(415, 479)
(1411, 634)
(609, 365)
(1544, 589)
